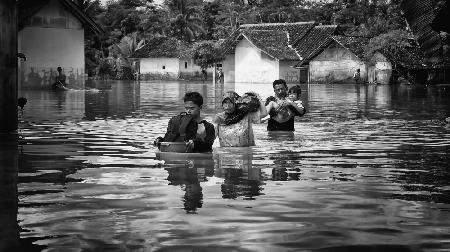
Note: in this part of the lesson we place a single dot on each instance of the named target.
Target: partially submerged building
(51, 34)
(166, 58)
(336, 60)
(427, 20)
(261, 53)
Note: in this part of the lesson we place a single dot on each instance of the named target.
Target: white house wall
(228, 67)
(254, 66)
(53, 37)
(288, 73)
(382, 71)
(164, 68)
(189, 68)
(335, 64)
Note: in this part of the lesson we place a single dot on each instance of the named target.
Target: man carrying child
(283, 109)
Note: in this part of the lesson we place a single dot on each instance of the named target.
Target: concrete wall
(160, 68)
(189, 69)
(253, 65)
(8, 67)
(288, 73)
(380, 72)
(228, 67)
(53, 37)
(336, 65)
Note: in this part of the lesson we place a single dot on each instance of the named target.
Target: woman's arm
(262, 109)
(216, 121)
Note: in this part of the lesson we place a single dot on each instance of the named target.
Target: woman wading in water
(234, 124)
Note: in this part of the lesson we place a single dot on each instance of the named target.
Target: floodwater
(367, 169)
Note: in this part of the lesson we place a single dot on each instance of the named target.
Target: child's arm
(298, 110)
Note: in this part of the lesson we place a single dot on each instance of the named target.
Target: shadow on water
(365, 170)
(10, 231)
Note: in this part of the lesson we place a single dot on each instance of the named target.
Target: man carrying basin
(189, 128)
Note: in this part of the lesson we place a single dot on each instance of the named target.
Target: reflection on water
(9, 233)
(365, 170)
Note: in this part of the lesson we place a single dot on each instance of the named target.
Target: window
(185, 64)
(164, 67)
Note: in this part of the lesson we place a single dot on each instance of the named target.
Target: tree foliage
(204, 54)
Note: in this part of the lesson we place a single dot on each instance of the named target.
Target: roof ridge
(325, 26)
(272, 24)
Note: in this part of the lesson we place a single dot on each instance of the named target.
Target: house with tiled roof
(166, 58)
(312, 44)
(428, 19)
(337, 60)
(51, 34)
(261, 53)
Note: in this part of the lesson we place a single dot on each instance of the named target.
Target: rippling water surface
(367, 169)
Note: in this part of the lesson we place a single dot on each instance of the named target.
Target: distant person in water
(190, 127)
(60, 80)
(204, 75)
(357, 76)
(281, 109)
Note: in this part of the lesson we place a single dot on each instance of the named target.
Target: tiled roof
(163, 47)
(420, 14)
(273, 43)
(296, 30)
(356, 45)
(271, 31)
(440, 22)
(27, 8)
(315, 41)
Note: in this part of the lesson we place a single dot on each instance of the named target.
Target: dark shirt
(273, 125)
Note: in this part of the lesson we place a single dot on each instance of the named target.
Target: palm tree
(187, 20)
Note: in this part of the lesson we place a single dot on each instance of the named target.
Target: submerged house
(336, 60)
(338, 57)
(261, 53)
(165, 58)
(428, 20)
(51, 34)
(311, 45)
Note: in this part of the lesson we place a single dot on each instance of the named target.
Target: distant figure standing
(204, 74)
(60, 80)
(357, 76)
(220, 75)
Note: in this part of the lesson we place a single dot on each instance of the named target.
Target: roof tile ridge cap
(270, 24)
(320, 26)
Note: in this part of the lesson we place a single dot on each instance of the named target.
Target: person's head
(229, 102)
(59, 69)
(294, 92)
(193, 102)
(357, 70)
(280, 88)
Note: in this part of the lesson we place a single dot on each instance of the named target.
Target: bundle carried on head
(245, 104)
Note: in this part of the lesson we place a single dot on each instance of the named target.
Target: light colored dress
(239, 134)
